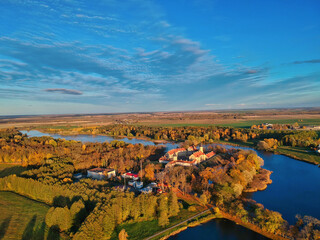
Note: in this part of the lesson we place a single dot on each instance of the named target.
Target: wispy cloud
(307, 61)
(128, 53)
(64, 91)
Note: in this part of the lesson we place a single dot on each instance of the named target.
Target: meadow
(22, 218)
(242, 123)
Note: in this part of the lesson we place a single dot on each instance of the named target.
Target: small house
(138, 185)
(101, 173)
(146, 190)
(131, 175)
(78, 176)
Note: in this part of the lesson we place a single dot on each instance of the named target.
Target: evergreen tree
(163, 219)
(108, 223)
(173, 204)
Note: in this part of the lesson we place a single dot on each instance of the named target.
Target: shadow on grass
(28, 232)
(12, 170)
(53, 233)
(4, 226)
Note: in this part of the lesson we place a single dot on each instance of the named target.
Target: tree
(149, 172)
(262, 145)
(123, 235)
(173, 204)
(203, 198)
(78, 212)
(163, 212)
(59, 217)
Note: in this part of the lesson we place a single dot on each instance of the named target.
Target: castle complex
(185, 157)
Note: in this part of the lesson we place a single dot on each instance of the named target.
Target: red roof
(132, 174)
(198, 154)
(210, 154)
(192, 148)
(101, 170)
(176, 150)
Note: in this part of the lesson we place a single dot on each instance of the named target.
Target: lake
(294, 190)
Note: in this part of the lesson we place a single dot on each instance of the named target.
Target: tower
(201, 149)
(175, 157)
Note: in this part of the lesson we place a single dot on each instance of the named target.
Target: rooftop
(176, 150)
(101, 170)
(198, 154)
(210, 154)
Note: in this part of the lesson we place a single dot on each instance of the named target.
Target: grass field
(248, 124)
(242, 123)
(143, 229)
(62, 127)
(299, 153)
(22, 218)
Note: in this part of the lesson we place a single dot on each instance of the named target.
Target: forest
(92, 209)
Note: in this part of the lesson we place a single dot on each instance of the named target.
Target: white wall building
(101, 173)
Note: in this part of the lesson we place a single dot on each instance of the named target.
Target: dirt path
(159, 233)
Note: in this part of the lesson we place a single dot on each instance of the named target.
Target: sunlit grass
(21, 218)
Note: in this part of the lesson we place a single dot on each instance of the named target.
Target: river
(294, 190)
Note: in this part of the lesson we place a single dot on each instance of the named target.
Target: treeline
(72, 203)
(18, 148)
(54, 170)
(305, 139)
(102, 221)
(196, 135)
(251, 212)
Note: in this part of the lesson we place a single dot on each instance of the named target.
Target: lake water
(221, 229)
(294, 190)
(97, 138)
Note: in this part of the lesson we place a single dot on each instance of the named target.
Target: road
(167, 229)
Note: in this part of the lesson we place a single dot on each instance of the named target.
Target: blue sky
(101, 56)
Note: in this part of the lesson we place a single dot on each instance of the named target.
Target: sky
(108, 56)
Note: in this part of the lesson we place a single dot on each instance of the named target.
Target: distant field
(22, 218)
(243, 124)
(247, 124)
(63, 127)
(176, 124)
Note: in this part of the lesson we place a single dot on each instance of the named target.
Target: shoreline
(272, 151)
(226, 216)
(159, 142)
(116, 137)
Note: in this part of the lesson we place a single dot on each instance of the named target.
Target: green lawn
(141, 230)
(241, 123)
(22, 218)
(248, 124)
(299, 153)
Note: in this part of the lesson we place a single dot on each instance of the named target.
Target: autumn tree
(149, 172)
(163, 219)
(123, 235)
(173, 204)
